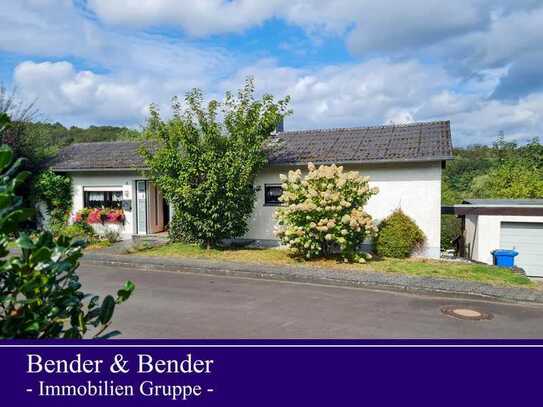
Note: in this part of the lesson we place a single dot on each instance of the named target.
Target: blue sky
(344, 63)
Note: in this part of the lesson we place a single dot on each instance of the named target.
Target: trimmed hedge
(399, 236)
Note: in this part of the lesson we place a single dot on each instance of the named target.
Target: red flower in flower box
(94, 216)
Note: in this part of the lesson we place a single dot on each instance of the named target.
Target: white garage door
(527, 239)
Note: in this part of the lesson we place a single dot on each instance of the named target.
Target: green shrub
(77, 231)
(399, 236)
(451, 228)
(56, 191)
(40, 292)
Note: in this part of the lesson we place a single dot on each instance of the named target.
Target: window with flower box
(103, 199)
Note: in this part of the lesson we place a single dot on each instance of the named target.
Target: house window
(272, 194)
(103, 199)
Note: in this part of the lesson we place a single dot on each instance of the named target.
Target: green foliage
(503, 170)
(510, 179)
(40, 292)
(17, 136)
(475, 171)
(450, 229)
(206, 168)
(59, 136)
(56, 191)
(323, 213)
(399, 236)
(77, 230)
(176, 230)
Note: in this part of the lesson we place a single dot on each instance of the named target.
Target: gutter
(284, 163)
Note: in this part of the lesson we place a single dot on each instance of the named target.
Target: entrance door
(155, 214)
(527, 239)
(141, 207)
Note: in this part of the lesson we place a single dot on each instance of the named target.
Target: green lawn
(417, 267)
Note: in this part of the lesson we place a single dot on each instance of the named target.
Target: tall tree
(206, 167)
(512, 179)
(17, 135)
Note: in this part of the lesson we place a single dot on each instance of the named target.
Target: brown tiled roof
(409, 142)
(392, 143)
(112, 155)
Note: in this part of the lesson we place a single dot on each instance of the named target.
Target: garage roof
(504, 202)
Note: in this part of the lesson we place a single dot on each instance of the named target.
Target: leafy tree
(17, 135)
(532, 153)
(511, 179)
(205, 167)
(40, 292)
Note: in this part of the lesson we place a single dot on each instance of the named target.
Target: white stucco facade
(482, 234)
(413, 187)
(107, 180)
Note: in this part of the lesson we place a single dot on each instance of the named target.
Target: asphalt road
(190, 305)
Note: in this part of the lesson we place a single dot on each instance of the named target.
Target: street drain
(466, 313)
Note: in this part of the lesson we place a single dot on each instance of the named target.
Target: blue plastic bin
(504, 258)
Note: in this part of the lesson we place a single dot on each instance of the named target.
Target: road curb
(334, 277)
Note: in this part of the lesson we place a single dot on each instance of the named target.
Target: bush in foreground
(399, 236)
(40, 292)
(324, 214)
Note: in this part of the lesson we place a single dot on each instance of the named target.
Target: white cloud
(202, 17)
(383, 91)
(423, 60)
(60, 90)
(350, 94)
(55, 28)
(370, 93)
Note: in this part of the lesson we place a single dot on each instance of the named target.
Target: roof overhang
(364, 162)
(276, 164)
(98, 169)
(505, 210)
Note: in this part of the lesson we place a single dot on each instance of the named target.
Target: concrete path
(191, 305)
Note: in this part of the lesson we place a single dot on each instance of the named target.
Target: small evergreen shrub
(399, 236)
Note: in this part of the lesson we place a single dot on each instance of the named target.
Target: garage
(491, 224)
(527, 239)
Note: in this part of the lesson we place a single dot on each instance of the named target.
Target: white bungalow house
(403, 161)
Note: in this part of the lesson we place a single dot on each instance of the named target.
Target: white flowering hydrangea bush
(323, 213)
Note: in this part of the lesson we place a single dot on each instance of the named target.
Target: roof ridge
(103, 142)
(333, 129)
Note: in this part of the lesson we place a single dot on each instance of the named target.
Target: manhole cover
(465, 313)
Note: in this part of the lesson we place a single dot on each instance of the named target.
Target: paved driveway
(189, 305)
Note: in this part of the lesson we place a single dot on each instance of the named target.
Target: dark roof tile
(409, 142)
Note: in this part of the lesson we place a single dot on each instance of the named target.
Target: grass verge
(100, 244)
(415, 267)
